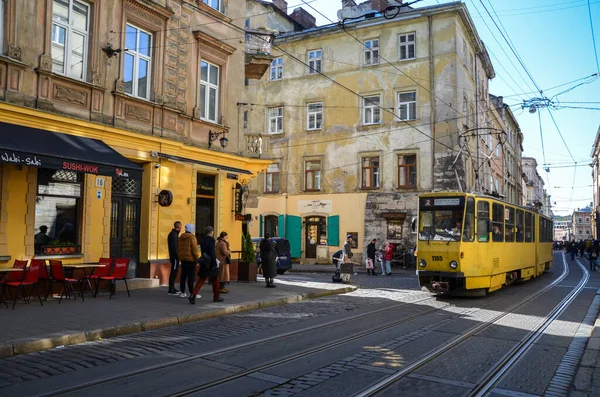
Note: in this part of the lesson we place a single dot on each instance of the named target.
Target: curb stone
(34, 345)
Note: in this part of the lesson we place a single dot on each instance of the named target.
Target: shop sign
(243, 218)
(165, 198)
(239, 199)
(317, 205)
(14, 158)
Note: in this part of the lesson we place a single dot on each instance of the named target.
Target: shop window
(137, 62)
(58, 211)
(370, 173)
(469, 226)
(371, 110)
(497, 222)
(519, 226)
(272, 179)
(483, 219)
(209, 91)
(371, 52)
(510, 224)
(407, 171)
(271, 223)
(70, 29)
(394, 229)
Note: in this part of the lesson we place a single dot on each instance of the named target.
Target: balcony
(256, 146)
(258, 53)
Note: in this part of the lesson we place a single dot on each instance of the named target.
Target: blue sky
(554, 40)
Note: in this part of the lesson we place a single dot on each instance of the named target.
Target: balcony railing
(258, 42)
(256, 146)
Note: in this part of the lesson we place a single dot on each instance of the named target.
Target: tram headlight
(422, 263)
(453, 264)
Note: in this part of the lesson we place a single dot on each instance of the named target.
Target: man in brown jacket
(187, 247)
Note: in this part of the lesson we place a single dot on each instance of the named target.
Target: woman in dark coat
(208, 267)
(269, 260)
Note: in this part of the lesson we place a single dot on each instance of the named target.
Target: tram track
(487, 382)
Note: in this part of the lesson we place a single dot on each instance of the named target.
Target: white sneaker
(183, 295)
(198, 296)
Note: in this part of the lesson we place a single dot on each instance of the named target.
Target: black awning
(46, 149)
(217, 166)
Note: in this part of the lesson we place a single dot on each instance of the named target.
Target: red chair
(99, 272)
(59, 276)
(119, 272)
(31, 277)
(12, 277)
(44, 276)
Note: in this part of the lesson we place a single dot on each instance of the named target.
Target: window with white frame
(209, 91)
(371, 110)
(407, 46)
(276, 120)
(137, 62)
(407, 105)
(276, 69)
(312, 175)
(370, 172)
(315, 60)
(314, 113)
(216, 4)
(272, 179)
(70, 29)
(372, 52)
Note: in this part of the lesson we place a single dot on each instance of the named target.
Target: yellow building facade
(359, 121)
(104, 147)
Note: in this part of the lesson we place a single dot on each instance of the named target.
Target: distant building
(596, 186)
(562, 227)
(582, 224)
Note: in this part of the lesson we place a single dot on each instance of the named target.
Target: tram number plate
(437, 258)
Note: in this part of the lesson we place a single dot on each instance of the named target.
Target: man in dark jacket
(173, 256)
(269, 260)
(208, 266)
(371, 255)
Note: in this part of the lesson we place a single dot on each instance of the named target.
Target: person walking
(573, 249)
(269, 260)
(581, 247)
(223, 253)
(172, 243)
(371, 249)
(386, 263)
(209, 269)
(188, 254)
(347, 248)
(593, 254)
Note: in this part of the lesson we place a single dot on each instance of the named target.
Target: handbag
(369, 264)
(205, 260)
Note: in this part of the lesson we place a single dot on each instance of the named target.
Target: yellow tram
(478, 243)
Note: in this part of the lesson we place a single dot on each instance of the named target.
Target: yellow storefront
(120, 200)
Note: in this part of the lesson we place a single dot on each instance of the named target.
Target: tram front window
(440, 219)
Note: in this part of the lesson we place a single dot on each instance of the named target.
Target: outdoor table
(86, 277)
(3, 273)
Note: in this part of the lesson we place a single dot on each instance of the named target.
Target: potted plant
(247, 266)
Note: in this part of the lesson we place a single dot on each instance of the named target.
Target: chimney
(304, 18)
(281, 4)
(379, 5)
(348, 3)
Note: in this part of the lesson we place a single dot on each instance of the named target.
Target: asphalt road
(334, 346)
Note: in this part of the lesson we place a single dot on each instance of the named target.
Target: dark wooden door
(314, 230)
(125, 231)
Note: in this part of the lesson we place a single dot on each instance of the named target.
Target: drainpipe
(432, 117)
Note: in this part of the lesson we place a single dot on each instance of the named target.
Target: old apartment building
(358, 123)
(118, 117)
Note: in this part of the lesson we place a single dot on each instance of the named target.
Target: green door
(293, 232)
(333, 231)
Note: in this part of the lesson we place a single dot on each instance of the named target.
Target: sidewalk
(329, 268)
(31, 327)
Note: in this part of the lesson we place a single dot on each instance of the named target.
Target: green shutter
(260, 226)
(333, 231)
(281, 226)
(293, 232)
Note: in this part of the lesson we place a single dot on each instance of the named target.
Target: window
(497, 222)
(529, 227)
(276, 69)
(138, 59)
(483, 219)
(272, 179)
(406, 45)
(372, 52)
(70, 28)
(216, 4)
(370, 172)
(312, 180)
(371, 110)
(407, 171)
(315, 116)
(276, 120)
(407, 106)
(469, 227)
(315, 61)
(209, 91)
(519, 227)
(509, 214)
(57, 210)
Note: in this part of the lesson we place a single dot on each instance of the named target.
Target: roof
(279, 11)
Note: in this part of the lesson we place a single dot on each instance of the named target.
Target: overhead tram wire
(593, 37)
(544, 152)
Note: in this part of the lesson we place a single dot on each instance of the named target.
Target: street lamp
(212, 136)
